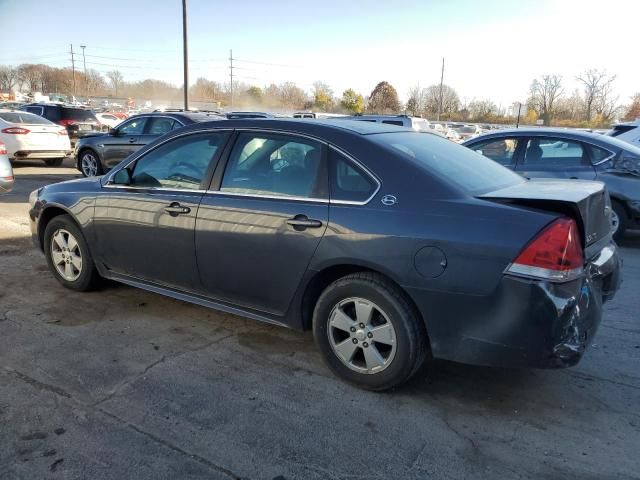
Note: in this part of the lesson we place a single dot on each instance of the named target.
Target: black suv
(78, 121)
(97, 153)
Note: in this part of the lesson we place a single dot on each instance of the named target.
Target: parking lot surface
(123, 383)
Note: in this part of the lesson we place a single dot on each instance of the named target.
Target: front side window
(557, 152)
(279, 165)
(181, 163)
(501, 150)
(348, 182)
(133, 127)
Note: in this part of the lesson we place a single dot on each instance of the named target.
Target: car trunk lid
(586, 202)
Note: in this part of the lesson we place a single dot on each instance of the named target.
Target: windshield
(471, 171)
(25, 118)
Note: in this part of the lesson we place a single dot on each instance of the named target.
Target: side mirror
(122, 177)
(113, 132)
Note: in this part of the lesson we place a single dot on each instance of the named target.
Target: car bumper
(524, 323)
(40, 154)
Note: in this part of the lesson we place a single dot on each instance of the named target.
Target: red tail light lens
(3, 149)
(15, 130)
(66, 123)
(554, 254)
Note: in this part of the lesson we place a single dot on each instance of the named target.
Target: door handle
(132, 140)
(175, 209)
(302, 222)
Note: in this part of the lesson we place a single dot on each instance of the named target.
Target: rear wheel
(619, 220)
(368, 332)
(90, 165)
(68, 254)
(53, 162)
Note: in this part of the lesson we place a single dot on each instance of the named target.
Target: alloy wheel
(615, 222)
(361, 335)
(66, 255)
(89, 165)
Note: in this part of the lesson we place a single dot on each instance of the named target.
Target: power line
(269, 64)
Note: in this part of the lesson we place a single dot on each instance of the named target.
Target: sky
(493, 49)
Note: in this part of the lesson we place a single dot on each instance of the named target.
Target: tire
(620, 214)
(402, 352)
(53, 162)
(84, 275)
(89, 163)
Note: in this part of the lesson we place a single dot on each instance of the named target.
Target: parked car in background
(467, 132)
(292, 222)
(6, 172)
(31, 137)
(415, 123)
(108, 119)
(11, 105)
(239, 115)
(78, 121)
(628, 132)
(97, 153)
(317, 115)
(572, 154)
(452, 135)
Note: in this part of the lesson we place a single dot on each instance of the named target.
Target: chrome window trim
(268, 197)
(606, 159)
(368, 172)
(164, 189)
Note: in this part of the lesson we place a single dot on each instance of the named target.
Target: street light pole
(185, 55)
(86, 79)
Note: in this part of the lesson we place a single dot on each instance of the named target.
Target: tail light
(64, 132)
(15, 130)
(3, 149)
(555, 254)
(66, 123)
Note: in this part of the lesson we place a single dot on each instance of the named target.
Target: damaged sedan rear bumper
(526, 323)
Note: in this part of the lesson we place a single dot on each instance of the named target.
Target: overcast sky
(492, 48)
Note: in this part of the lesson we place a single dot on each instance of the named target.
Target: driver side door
(126, 139)
(145, 228)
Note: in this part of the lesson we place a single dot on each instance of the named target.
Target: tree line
(594, 104)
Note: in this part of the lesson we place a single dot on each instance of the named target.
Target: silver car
(6, 172)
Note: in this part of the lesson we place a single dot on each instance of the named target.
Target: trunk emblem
(389, 200)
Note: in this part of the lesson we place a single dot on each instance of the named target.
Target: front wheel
(90, 165)
(53, 162)
(68, 254)
(368, 332)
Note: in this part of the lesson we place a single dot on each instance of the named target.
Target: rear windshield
(457, 164)
(24, 117)
(78, 114)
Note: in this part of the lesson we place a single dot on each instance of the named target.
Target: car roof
(317, 126)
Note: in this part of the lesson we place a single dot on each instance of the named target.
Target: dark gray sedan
(97, 153)
(394, 246)
(572, 154)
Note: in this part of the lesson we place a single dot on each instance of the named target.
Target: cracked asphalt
(123, 383)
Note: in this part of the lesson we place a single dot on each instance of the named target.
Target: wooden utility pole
(73, 69)
(185, 54)
(231, 76)
(441, 87)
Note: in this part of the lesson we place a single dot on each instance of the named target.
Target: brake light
(3, 149)
(554, 254)
(66, 123)
(15, 130)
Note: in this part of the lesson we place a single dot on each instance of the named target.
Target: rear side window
(456, 164)
(77, 114)
(620, 129)
(348, 182)
(599, 154)
(35, 110)
(550, 151)
(501, 150)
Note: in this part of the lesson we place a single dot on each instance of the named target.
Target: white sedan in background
(108, 119)
(28, 136)
(6, 172)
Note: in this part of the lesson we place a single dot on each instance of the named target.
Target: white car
(6, 172)
(628, 132)
(108, 119)
(29, 136)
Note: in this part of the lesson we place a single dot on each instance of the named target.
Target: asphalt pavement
(123, 383)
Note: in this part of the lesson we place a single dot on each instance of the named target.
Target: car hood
(87, 184)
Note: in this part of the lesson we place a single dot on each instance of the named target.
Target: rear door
(261, 222)
(124, 140)
(555, 157)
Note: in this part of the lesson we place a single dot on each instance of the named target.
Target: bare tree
(544, 93)
(431, 101)
(8, 77)
(29, 75)
(482, 110)
(116, 79)
(606, 103)
(595, 83)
